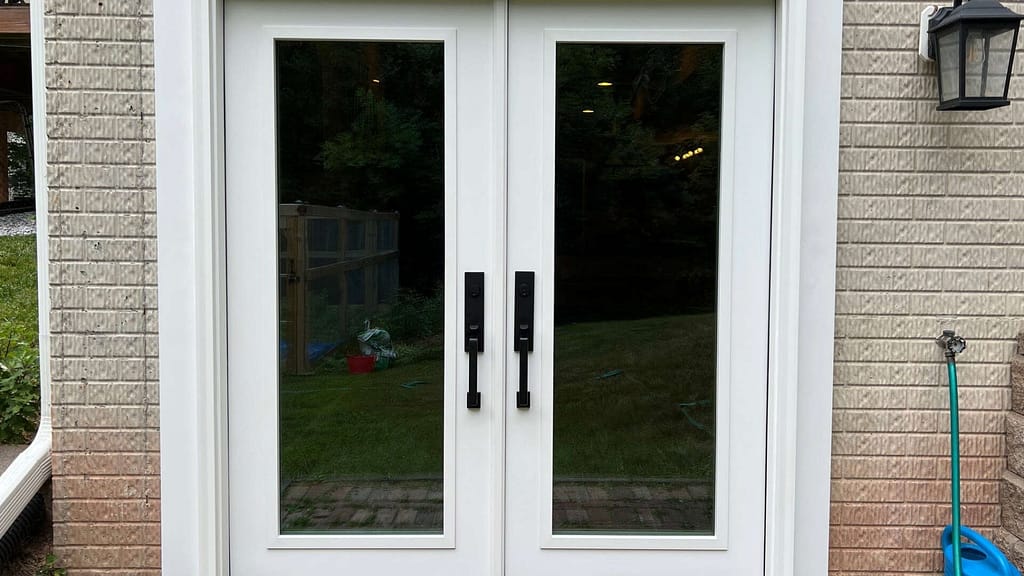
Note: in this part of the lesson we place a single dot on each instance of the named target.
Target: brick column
(102, 229)
(1010, 538)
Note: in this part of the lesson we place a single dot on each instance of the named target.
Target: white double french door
(498, 286)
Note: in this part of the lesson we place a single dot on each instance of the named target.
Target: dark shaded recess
(25, 527)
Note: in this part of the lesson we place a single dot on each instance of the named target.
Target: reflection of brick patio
(631, 506)
(579, 505)
(364, 505)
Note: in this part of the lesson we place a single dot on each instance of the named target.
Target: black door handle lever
(474, 332)
(523, 336)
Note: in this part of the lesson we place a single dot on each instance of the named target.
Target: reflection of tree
(630, 218)
(20, 168)
(360, 124)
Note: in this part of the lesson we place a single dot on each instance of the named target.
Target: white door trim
(191, 243)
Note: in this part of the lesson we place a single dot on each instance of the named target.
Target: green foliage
(19, 337)
(381, 137)
(364, 123)
(19, 392)
(412, 316)
(19, 157)
(50, 568)
(322, 318)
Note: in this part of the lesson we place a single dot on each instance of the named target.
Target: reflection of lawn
(338, 424)
(618, 395)
(619, 391)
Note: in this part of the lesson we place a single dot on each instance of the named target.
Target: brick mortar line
(907, 291)
(871, 221)
(933, 173)
(995, 292)
(103, 48)
(95, 140)
(952, 122)
(105, 164)
(895, 74)
(925, 148)
(108, 405)
(911, 123)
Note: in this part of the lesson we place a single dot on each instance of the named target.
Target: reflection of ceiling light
(604, 84)
(688, 154)
(588, 111)
(375, 81)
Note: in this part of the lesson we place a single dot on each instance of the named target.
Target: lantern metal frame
(963, 18)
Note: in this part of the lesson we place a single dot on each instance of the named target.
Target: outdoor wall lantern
(972, 44)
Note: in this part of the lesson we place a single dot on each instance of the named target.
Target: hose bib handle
(951, 343)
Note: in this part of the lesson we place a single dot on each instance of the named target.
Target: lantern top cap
(973, 11)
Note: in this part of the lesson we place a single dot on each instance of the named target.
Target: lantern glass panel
(949, 63)
(987, 61)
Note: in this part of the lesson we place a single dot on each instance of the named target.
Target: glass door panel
(637, 179)
(361, 243)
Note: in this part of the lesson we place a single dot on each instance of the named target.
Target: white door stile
(499, 301)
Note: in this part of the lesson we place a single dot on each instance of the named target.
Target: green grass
(19, 315)
(336, 424)
(618, 394)
(618, 390)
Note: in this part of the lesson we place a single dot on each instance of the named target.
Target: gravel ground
(20, 224)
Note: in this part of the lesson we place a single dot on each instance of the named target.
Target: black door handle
(474, 331)
(522, 336)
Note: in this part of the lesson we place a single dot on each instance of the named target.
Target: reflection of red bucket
(360, 364)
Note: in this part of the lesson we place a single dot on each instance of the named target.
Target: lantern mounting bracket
(924, 47)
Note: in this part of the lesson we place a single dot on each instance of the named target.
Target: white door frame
(191, 283)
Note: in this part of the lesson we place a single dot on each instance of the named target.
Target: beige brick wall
(99, 108)
(931, 235)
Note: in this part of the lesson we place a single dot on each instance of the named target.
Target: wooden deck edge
(14, 20)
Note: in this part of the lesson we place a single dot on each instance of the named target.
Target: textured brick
(1015, 443)
(99, 76)
(127, 534)
(1011, 545)
(1017, 379)
(105, 511)
(1012, 496)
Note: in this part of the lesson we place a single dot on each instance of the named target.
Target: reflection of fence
(351, 256)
